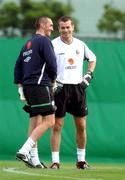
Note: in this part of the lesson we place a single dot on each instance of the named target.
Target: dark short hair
(41, 19)
(65, 19)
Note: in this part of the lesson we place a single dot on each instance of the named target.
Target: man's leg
(47, 123)
(34, 151)
(55, 142)
(35, 135)
(80, 124)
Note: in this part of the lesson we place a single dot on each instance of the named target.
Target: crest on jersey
(28, 45)
(77, 52)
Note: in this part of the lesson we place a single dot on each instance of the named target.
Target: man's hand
(86, 79)
(21, 94)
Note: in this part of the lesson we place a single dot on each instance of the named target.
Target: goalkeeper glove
(86, 79)
(21, 94)
(57, 87)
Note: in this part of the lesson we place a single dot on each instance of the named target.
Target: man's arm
(18, 77)
(91, 66)
(18, 70)
(90, 56)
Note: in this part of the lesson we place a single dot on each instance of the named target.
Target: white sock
(25, 149)
(80, 154)
(34, 156)
(55, 157)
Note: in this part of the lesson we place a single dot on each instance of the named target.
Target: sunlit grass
(14, 170)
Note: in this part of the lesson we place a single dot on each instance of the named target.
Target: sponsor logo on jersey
(27, 53)
(70, 67)
(27, 59)
(70, 61)
(61, 53)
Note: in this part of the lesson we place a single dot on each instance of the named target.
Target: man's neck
(41, 33)
(67, 40)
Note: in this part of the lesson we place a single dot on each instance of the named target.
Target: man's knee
(58, 125)
(80, 124)
(50, 121)
(81, 128)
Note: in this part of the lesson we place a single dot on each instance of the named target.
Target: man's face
(48, 28)
(66, 29)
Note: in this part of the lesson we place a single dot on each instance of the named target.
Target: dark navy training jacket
(36, 63)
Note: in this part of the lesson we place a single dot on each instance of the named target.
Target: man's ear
(42, 26)
(58, 29)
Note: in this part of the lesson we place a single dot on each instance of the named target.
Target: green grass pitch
(14, 170)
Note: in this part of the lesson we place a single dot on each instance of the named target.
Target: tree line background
(18, 19)
(22, 16)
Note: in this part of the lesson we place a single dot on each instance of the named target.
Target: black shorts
(71, 99)
(40, 100)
